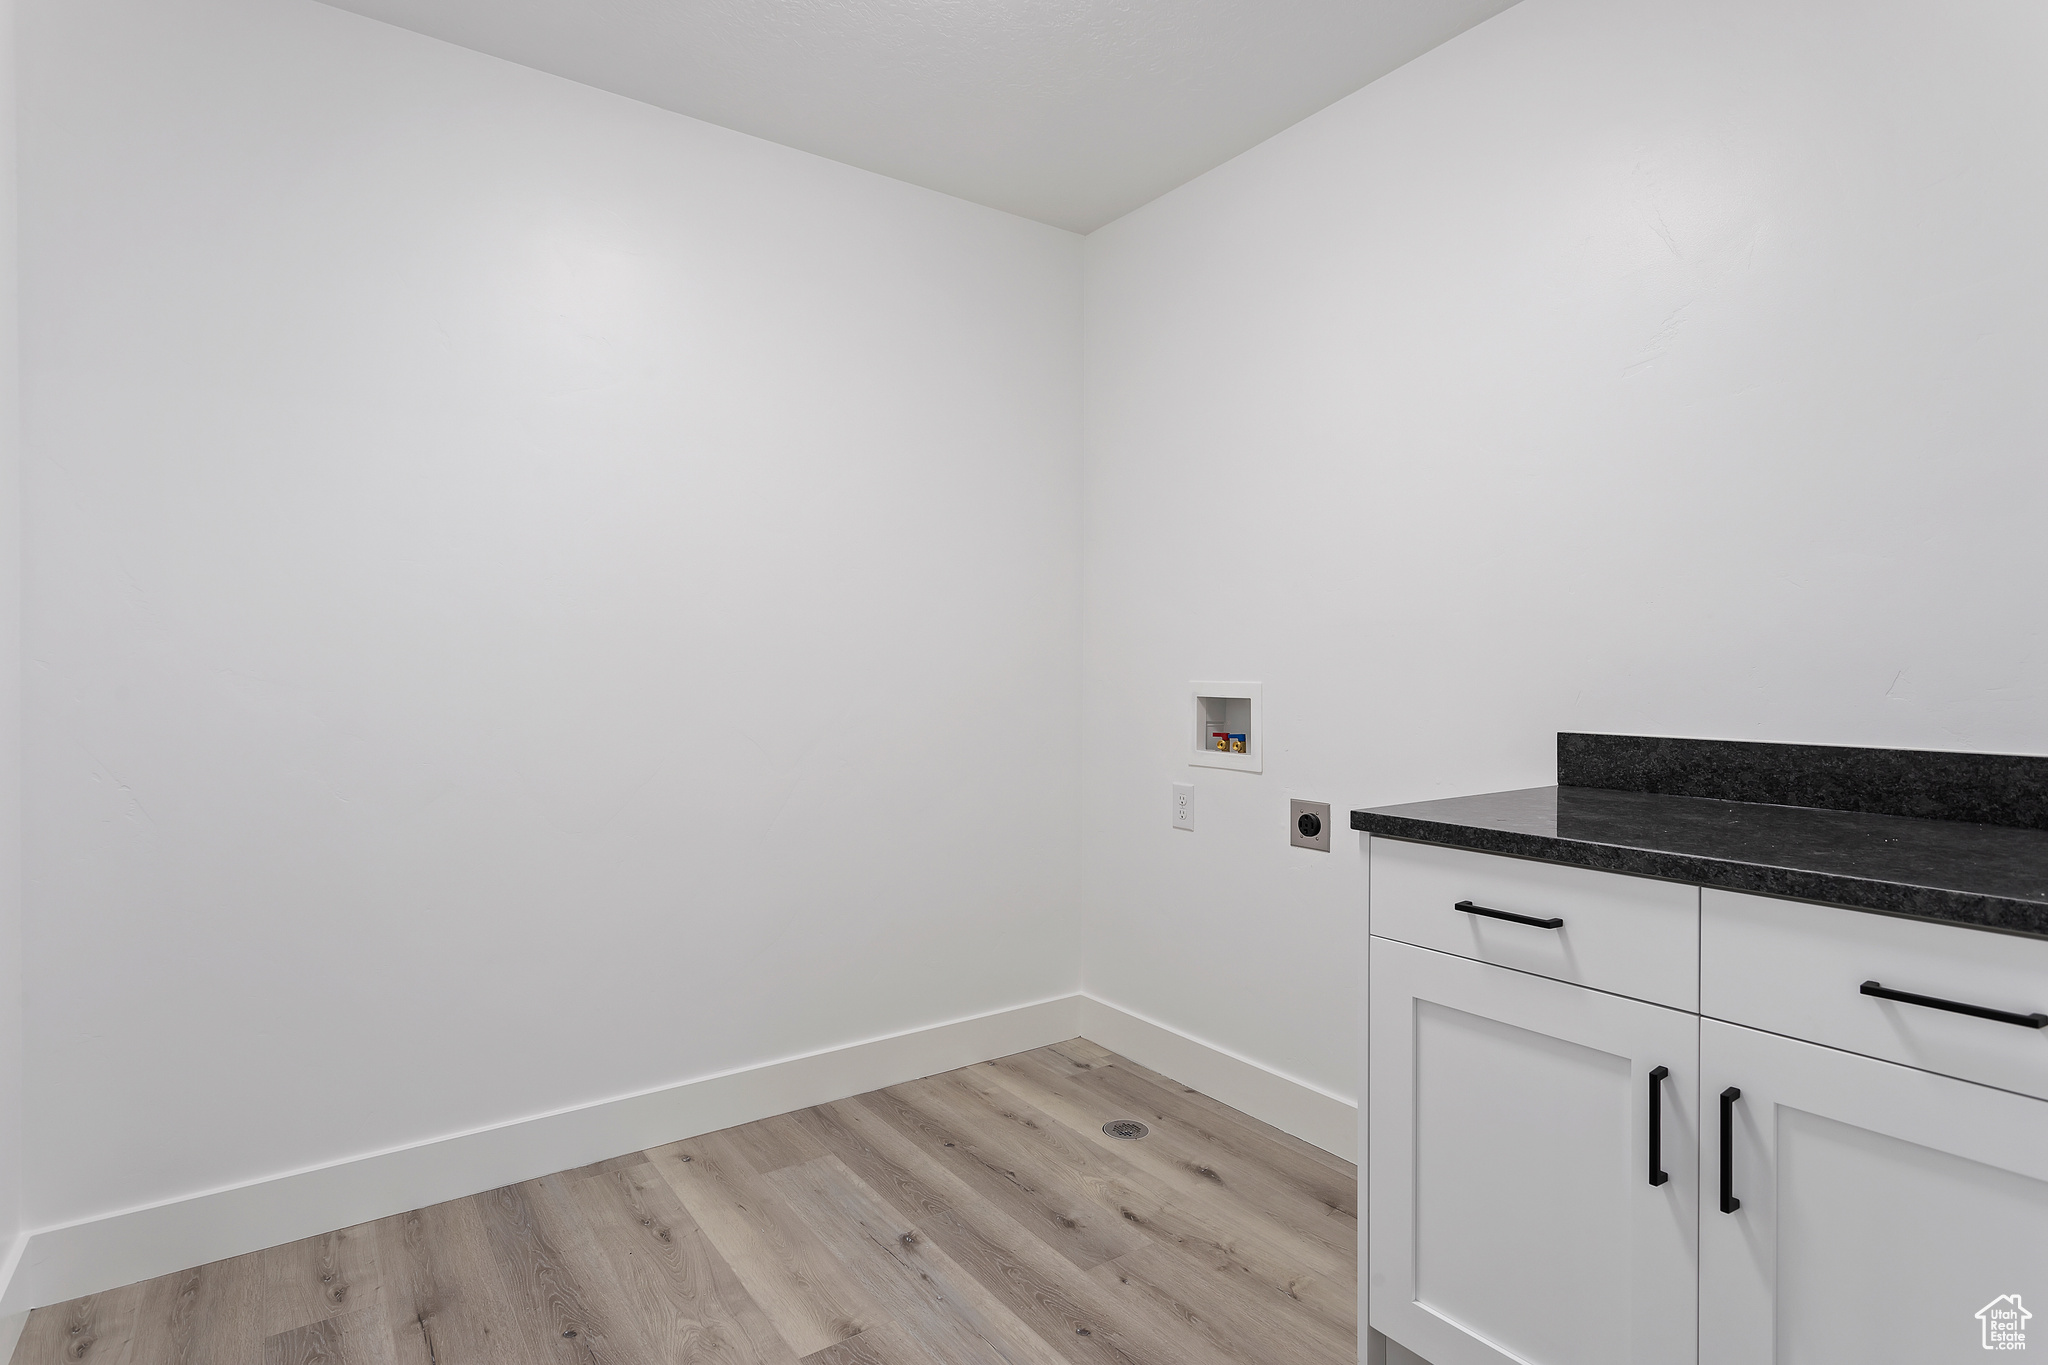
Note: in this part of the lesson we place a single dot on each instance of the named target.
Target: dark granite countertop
(1984, 875)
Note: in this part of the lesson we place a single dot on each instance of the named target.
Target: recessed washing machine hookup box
(1229, 726)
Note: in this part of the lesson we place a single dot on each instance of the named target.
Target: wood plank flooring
(979, 1217)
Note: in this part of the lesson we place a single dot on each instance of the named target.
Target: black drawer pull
(1957, 1007)
(1729, 1203)
(1469, 908)
(1658, 1175)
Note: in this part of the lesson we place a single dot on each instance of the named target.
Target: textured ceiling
(1073, 112)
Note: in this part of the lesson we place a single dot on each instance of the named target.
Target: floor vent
(1130, 1130)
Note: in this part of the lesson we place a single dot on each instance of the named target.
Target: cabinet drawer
(1628, 935)
(1799, 969)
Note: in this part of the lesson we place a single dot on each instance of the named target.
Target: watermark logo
(2005, 1323)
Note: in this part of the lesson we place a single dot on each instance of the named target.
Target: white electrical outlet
(1183, 805)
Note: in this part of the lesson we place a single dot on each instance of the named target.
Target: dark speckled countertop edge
(1997, 914)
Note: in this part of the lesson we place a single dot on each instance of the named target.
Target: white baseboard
(96, 1254)
(59, 1263)
(12, 1323)
(14, 1320)
(1289, 1104)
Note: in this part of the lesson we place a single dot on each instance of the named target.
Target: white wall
(535, 597)
(10, 684)
(1668, 368)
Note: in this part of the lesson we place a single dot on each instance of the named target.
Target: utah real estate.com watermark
(2005, 1323)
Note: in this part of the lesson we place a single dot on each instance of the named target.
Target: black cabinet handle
(1658, 1175)
(1957, 1007)
(1469, 908)
(1729, 1203)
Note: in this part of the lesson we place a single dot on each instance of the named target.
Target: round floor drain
(1130, 1130)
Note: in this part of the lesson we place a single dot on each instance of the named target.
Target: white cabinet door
(1513, 1218)
(1881, 1209)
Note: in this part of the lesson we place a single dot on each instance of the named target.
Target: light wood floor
(975, 1218)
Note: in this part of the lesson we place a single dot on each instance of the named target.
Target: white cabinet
(1881, 1208)
(1886, 1178)
(1513, 1216)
